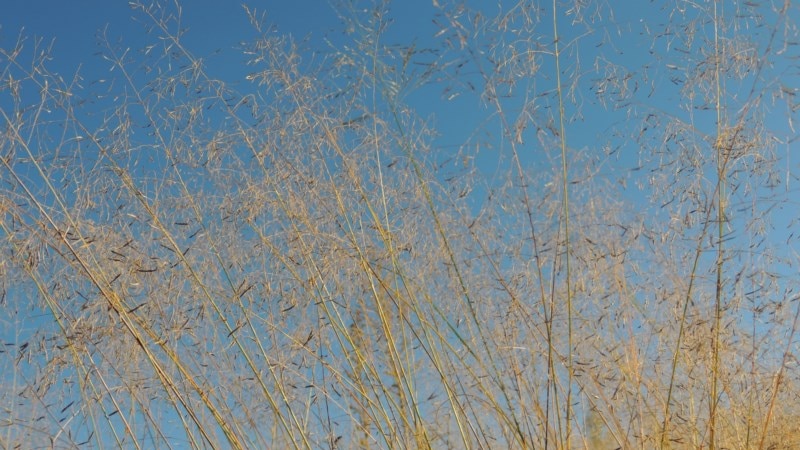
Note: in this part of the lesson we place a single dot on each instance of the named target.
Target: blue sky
(214, 30)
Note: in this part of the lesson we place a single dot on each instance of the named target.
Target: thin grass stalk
(687, 299)
(335, 319)
(552, 353)
(723, 147)
(128, 428)
(565, 198)
(286, 209)
(713, 398)
(385, 235)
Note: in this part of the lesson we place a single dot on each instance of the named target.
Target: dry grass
(297, 262)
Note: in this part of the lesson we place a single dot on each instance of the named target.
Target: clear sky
(633, 35)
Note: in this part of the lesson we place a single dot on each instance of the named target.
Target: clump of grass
(306, 261)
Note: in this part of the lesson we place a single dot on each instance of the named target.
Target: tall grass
(307, 257)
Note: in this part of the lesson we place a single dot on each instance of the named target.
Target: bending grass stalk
(99, 280)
